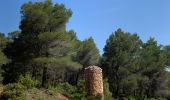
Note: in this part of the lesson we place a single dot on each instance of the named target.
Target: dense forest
(43, 60)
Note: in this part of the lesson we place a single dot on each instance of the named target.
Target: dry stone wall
(94, 81)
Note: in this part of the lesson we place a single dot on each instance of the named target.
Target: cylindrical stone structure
(94, 82)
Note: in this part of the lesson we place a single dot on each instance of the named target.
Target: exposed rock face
(94, 82)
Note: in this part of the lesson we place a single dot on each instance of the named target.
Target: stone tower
(94, 82)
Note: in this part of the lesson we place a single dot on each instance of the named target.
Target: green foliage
(44, 40)
(50, 53)
(68, 89)
(56, 61)
(14, 92)
(13, 35)
(107, 93)
(133, 68)
(80, 93)
(44, 17)
(154, 63)
(54, 90)
(120, 61)
(3, 43)
(74, 92)
(27, 81)
(88, 53)
(56, 43)
(3, 59)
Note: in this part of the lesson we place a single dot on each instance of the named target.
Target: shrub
(68, 89)
(14, 92)
(74, 92)
(27, 81)
(54, 90)
(79, 94)
(107, 93)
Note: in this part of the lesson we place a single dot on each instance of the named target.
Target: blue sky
(99, 18)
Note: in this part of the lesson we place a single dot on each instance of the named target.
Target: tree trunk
(44, 77)
(33, 72)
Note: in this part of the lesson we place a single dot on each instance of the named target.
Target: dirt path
(62, 97)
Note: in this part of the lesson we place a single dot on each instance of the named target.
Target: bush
(74, 92)
(27, 81)
(79, 94)
(107, 93)
(54, 90)
(68, 89)
(14, 92)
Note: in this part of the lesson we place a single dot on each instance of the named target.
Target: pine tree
(3, 43)
(3, 58)
(120, 64)
(153, 66)
(88, 54)
(43, 39)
